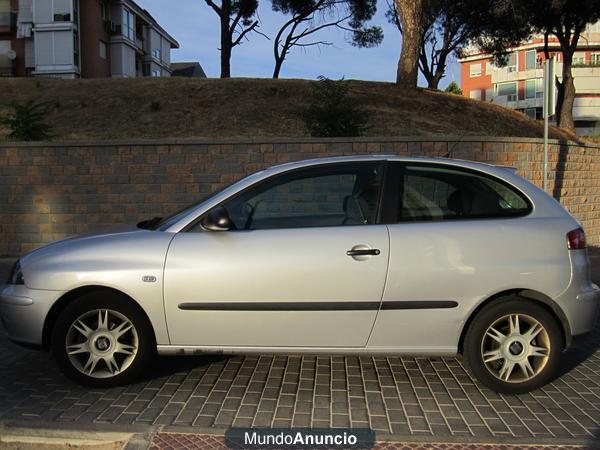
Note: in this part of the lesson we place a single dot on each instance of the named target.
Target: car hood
(122, 248)
(61, 244)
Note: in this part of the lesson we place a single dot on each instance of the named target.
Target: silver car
(360, 255)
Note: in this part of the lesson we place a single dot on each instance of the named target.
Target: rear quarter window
(444, 193)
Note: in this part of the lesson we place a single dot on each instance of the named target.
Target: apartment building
(82, 39)
(519, 85)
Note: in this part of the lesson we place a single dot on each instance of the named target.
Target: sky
(196, 27)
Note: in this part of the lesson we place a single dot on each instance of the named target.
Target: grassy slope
(248, 108)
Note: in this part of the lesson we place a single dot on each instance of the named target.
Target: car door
(305, 265)
(453, 242)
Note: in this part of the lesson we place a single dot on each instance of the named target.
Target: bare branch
(214, 6)
(245, 32)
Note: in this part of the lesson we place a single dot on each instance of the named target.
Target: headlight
(16, 276)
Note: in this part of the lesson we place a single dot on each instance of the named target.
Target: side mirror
(217, 220)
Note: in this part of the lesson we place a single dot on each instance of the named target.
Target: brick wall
(50, 191)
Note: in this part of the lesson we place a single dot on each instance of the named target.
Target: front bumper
(23, 312)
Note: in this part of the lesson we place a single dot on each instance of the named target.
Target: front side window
(321, 197)
(438, 193)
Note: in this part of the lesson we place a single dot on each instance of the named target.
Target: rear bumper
(23, 312)
(583, 310)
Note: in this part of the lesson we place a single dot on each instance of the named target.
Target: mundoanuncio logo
(299, 438)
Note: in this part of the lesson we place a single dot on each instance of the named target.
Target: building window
(5, 62)
(508, 90)
(156, 73)
(579, 59)
(475, 94)
(595, 59)
(104, 10)
(512, 66)
(62, 10)
(594, 27)
(103, 50)
(128, 25)
(76, 48)
(539, 88)
(5, 11)
(156, 54)
(530, 59)
(530, 87)
(489, 94)
(488, 68)
(531, 112)
(475, 70)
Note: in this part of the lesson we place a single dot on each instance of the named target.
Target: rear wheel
(102, 340)
(513, 346)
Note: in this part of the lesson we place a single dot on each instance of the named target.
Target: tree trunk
(567, 99)
(277, 69)
(225, 59)
(226, 37)
(411, 17)
(435, 81)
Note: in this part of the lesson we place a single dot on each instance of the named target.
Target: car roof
(486, 167)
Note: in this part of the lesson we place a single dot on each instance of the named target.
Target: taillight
(576, 239)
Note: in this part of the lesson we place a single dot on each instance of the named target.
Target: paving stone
(417, 397)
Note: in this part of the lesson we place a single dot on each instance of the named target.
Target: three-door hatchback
(360, 255)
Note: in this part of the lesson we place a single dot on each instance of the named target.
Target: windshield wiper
(149, 224)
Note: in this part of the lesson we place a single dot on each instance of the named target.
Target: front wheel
(102, 340)
(513, 346)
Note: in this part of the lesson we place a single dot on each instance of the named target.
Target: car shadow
(583, 348)
(164, 366)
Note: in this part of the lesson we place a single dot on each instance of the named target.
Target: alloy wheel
(102, 343)
(515, 348)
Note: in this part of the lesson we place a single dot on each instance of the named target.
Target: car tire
(102, 340)
(513, 346)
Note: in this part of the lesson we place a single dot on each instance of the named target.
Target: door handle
(364, 252)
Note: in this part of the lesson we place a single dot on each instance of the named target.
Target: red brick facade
(93, 31)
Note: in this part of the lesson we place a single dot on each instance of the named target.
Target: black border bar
(317, 306)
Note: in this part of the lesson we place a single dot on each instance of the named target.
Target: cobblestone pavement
(168, 441)
(415, 399)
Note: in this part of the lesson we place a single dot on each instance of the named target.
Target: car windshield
(167, 222)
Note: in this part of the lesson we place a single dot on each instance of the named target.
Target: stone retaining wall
(52, 190)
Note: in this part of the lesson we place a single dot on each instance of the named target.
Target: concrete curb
(47, 439)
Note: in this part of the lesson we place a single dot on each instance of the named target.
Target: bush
(453, 88)
(26, 121)
(331, 113)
